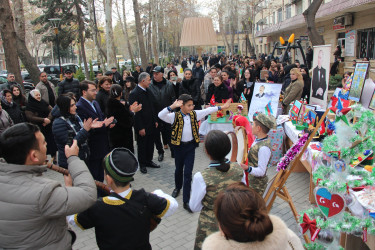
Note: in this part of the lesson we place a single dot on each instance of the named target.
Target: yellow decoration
(282, 41)
(291, 38)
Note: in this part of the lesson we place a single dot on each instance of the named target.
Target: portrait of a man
(319, 82)
(261, 92)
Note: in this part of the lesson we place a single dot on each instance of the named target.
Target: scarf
(39, 107)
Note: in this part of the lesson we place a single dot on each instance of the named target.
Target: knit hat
(268, 121)
(121, 164)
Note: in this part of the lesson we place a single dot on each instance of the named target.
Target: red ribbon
(308, 225)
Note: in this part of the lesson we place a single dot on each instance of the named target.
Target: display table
(207, 127)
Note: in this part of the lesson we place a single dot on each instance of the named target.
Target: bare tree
(155, 46)
(111, 53)
(94, 28)
(309, 15)
(138, 25)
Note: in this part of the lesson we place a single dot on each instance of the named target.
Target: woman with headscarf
(11, 107)
(38, 112)
(191, 86)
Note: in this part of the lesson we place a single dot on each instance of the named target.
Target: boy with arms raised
(185, 138)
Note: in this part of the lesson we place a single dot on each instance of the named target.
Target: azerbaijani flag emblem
(268, 109)
(242, 97)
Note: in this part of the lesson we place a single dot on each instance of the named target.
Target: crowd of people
(159, 110)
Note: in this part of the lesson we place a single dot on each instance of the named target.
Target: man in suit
(145, 122)
(261, 92)
(87, 107)
(319, 84)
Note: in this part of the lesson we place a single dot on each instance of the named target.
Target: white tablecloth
(291, 131)
(207, 127)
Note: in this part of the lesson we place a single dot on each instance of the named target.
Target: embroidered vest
(217, 181)
(178, 125)
(253, 152)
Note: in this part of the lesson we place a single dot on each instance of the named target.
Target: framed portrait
(320, 75)
(359, 77)
(372, 102)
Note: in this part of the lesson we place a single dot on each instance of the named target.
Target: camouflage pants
(207, 225)
(259, 184)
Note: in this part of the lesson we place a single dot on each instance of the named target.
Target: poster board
(359, 77)
(262, 95)
(350, 42)
(320, 75)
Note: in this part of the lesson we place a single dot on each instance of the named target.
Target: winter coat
(69, 85)
(293, 92)
(102, 98)
(280, 238)
(61, 129)
(198, 73)
(121, 135)
(5, 121)
(14, 112)
(44, 91)
(220, 92)
(192, 87)
(34, 208)
(306, 87)
(163, 93)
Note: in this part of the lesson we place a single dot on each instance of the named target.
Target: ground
(178, 231)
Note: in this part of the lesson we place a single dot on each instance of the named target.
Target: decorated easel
(276, 187)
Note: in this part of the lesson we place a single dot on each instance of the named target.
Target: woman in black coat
(69, 124)
(102, 97)
(11, 107)
(121, 135)
(248, 85)
(218, 89)
(191, 86)
(307, 83)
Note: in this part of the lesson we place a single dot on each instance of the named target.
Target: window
(367, 43)
(288, 11)
(299, 7)
(274, 18)
(280, 15)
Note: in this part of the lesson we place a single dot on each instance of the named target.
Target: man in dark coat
(87, 107)
(319, 84)
(69, 84)
(136, 73)
(117, 78)
(198, 72)
(164, 96)
(11, 81)
(145, 122)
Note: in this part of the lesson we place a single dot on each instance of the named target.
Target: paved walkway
(178, 231)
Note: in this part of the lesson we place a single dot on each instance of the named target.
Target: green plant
(79, 74)
(334, 82)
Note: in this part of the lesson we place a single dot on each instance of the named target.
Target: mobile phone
(71, 135)
(114, 121)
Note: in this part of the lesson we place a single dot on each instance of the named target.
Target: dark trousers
(184, 160)
(165, 130)
(205, 66)
(145, 148)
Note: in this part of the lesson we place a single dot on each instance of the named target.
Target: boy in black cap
(122, 219)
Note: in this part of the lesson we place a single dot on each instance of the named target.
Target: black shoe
(153, 165)
(187, 208)
(161, 157)
(143, 170)
(175, 192)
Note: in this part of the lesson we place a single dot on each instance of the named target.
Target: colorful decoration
(308, 225)
(242, 98)
(212, 100)
(329, 204)
(340, 111)
(292, 152)
(220, 114)
(268, 109)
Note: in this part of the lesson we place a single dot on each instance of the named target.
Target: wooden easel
(277, 184)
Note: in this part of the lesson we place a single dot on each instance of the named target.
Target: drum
(242, 144)
(232, 155)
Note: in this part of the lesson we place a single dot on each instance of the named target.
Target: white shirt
(173, 204)
(187, 135)
(198, 191)
(264, 155)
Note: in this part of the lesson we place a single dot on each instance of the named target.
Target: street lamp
(56, 23)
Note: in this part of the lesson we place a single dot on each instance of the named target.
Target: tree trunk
(309, 15)
(141, 42)
(149, 51)
(8, 35)
(126, 35)
(153, 11)
(222, 30)
(94, 28)
(81, 30)
(111, 54)
(23, 53)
